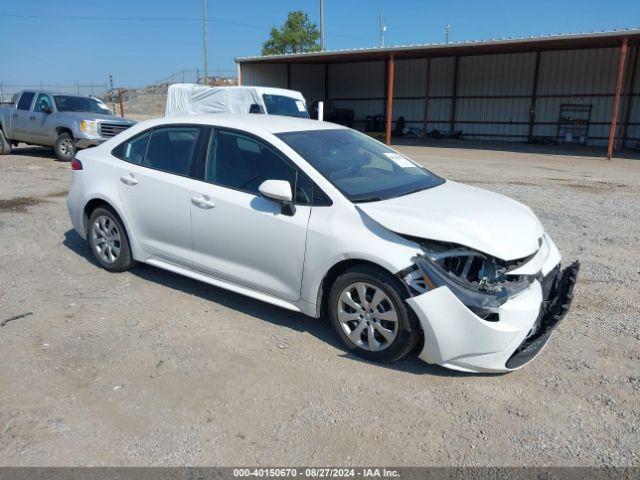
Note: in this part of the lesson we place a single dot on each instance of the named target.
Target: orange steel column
(616, 98)
(389, 97)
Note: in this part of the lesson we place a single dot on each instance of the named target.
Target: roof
(472, 47)
(221, 88)
(250, 122)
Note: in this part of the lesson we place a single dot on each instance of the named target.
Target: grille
(112, 129)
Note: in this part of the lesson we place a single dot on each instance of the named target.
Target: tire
(64, 148)
(5, 146)
(109, 241)
(375, 316)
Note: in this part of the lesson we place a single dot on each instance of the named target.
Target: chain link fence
(8, 91)
(136, 103)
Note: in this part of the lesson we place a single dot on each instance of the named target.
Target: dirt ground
(149, 368)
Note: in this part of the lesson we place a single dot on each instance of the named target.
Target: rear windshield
(71, 103)
(281, 105)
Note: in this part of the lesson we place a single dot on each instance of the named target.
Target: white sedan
(324, 220)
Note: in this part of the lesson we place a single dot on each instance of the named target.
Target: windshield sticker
(399, 160)
(300, 106)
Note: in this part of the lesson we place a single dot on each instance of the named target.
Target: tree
(297, 35)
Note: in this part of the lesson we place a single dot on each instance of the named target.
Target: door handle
(202, 202)
(128, 180)
(15, 115)
(32, 118)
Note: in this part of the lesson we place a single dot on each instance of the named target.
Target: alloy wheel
(105, 238)
(66, 147)
(367, 316)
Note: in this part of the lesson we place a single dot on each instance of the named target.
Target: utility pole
(204, 18)
(322, 25)
(383, 28)
(447, 29)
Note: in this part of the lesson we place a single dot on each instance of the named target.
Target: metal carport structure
(506, 89)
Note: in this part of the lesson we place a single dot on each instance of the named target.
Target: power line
(162, 19)
(133, 19)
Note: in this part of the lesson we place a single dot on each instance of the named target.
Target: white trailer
(189, 98)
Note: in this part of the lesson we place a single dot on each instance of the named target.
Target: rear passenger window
(133, 150)
(25, 101)
(171, 149)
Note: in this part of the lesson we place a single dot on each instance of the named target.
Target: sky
(139, 42)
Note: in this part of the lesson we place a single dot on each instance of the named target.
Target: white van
(190, 99)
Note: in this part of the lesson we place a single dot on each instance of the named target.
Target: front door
(239, 235)
(41, 121)
(155, 188)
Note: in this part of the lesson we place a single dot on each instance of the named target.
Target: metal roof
(469, 47)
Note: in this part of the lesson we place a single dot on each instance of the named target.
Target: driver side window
(242, 163)
(43, 104)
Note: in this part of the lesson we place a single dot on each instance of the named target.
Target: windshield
(288, 106)
(363, 169)
(70, 103)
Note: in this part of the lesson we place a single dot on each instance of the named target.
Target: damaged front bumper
(455, 337)
(552, 312)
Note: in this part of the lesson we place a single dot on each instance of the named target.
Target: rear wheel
(368, 310)
(64, 147)
(5, 146)
(109, 241)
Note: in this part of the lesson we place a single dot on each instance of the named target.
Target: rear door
(20, 117)
(155, 189)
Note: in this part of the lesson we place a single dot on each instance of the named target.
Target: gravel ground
(149, 368)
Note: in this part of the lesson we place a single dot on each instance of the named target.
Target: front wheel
(64, 147)
(367, 308)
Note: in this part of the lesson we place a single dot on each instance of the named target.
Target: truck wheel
(64, 148)
(5, 146)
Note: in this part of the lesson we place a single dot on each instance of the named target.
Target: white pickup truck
(64, 122)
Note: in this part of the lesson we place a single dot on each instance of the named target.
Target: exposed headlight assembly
(480, 281)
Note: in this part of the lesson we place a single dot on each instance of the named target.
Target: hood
(96, 116)
(469, 216)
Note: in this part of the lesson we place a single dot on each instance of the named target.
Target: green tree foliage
(297, 35)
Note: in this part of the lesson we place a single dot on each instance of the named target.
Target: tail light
(76, 164)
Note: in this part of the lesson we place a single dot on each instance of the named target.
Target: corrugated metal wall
(493, 93)
(265, 75)
(359, 86)
(308, 79)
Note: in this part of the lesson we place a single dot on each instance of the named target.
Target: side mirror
(46, 108)
(280, 191)
(255, 108)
